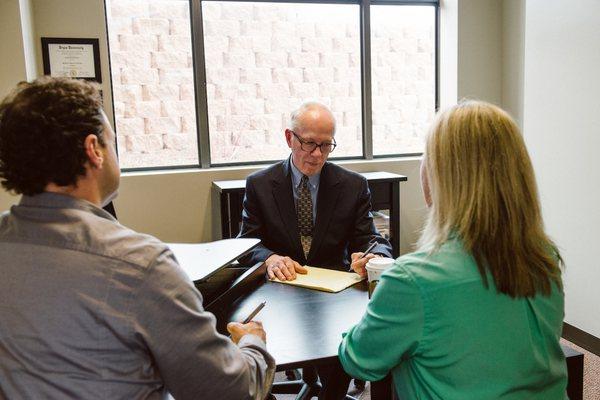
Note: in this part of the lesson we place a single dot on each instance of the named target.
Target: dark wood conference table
(304, 327)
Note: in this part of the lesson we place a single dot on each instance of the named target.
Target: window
(153, 83)
(265, 60)
(255, 62)
(403, 77)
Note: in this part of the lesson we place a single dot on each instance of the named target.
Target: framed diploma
(73, 58)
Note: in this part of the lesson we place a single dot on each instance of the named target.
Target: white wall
(179, 206)
(562, 131)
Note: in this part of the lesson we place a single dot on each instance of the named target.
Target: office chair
(305, 388)
(359, 384)
(111, 209)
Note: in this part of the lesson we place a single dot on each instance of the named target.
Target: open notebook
(326, 280)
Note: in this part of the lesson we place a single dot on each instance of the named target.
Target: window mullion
(365, 54)
(200, 84)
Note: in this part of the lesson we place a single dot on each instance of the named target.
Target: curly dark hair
(43, 125)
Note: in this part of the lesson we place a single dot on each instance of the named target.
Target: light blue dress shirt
(313, 186)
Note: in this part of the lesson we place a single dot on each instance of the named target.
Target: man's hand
(283, 268)
(238, 330)
(358, 263)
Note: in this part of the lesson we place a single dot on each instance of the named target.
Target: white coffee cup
(375, 267)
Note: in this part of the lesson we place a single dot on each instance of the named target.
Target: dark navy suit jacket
(343, 225)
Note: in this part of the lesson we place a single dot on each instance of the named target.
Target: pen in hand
(253, 313)
(367, 251)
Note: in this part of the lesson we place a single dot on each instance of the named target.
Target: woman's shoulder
(450, 252)
(448, 264)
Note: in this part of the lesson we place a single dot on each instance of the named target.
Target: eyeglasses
(309, 147)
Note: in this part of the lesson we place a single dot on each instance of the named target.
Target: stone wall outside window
(262, 61)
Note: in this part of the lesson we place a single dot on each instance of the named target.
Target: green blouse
(443, 335)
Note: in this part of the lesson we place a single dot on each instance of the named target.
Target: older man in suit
(309, 211)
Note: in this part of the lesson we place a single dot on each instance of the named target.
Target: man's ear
(288, 138)
(93, 151)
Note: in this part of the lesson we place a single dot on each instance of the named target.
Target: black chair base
(293, 375)
(305, 388)
(360, 385)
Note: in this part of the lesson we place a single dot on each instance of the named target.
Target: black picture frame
(95, 43)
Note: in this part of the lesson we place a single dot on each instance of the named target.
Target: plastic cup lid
(380, 263)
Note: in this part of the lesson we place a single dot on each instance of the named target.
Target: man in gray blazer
(91, 309)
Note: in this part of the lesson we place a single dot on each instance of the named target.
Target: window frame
(200, 84)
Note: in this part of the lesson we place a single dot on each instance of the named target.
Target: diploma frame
(48, 61)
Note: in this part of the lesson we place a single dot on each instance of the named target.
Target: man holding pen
(90, 308)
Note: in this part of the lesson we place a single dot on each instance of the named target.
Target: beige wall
(179, 207)
(513, 57)
(479, 50)
(77, 19)
(12, 66)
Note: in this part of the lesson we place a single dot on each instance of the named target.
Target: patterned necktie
(305, 217)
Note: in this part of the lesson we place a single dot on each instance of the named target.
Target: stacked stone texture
(262, 61)
(151, 59)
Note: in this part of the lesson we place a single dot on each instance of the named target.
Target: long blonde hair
(483, 190)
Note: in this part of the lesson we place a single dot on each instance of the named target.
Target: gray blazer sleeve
(192, 358)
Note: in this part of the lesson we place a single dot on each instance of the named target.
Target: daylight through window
(261, 61)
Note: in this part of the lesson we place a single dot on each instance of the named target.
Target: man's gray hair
(304, 107)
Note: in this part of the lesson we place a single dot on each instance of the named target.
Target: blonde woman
(476, 312)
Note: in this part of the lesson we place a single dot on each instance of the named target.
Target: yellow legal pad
(326, 280)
